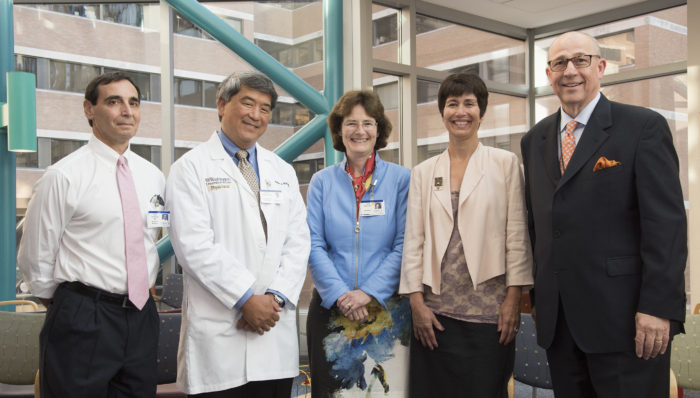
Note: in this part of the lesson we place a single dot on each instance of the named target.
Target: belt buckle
(125, 302)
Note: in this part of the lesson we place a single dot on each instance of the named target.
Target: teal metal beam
(303, 139)
(332, 66)
(8, 199)
(252, 54)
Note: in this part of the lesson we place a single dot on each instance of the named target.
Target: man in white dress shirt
(93, 221)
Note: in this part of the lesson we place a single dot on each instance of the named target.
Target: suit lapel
(549, 150)
(592, 138)
(442, 170)
(472, 175)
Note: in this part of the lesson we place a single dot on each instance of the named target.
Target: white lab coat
(219, 241)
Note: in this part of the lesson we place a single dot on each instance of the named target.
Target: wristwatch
(279, 300)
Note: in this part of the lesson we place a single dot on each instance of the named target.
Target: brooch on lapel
(604, 163)
(438, 183)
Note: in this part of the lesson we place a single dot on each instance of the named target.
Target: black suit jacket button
(556, 234)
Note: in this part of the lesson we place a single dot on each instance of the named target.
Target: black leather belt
(99, 294)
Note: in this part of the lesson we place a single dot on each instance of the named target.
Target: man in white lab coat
(238, 227)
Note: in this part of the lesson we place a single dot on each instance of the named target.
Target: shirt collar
(106, 153)
(232, 148)
(582, 117)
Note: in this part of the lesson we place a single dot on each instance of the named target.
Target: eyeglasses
(579, 61)
(367, 125)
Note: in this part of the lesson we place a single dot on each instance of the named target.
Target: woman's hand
(350, 302)
(359, 315)
(424, 321)
(509, 315)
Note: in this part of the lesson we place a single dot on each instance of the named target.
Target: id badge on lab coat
(371, 208)
(273, 196)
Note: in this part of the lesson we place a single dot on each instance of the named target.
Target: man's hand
(243, 324)
(260, 311)
(424, 321)
(652, 335)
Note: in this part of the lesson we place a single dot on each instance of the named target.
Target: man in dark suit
(608, 229)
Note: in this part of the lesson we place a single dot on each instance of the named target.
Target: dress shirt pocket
(628, 265)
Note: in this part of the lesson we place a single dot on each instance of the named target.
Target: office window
(294, 56)
(142, 80)
(306, 168)
(384, 30)
(183, 26)
(61, 148)
(24, 63)
(127, 14)
(210, 94)
(427, 91)
(68, 76)
(458, 48)
(426, 24)
(188, 92)
(27, 159)
(179, 151)
(640, 42)
(387, 88)
(302, 115)
(389, 94)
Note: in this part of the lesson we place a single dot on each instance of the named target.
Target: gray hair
(251, 79)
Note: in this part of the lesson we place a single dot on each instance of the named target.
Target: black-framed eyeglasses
(579, 61)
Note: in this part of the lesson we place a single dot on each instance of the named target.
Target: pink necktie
(136, 267)
(568, 144)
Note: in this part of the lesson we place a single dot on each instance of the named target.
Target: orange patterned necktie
(568, 144)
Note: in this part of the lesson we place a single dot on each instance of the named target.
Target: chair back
(685, 354)
(19, 346)
(172, 291)
(168, 341)
(531, 366)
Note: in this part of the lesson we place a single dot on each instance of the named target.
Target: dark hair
(458, 84)
(251, 79)
(92, 89)
(373, 107)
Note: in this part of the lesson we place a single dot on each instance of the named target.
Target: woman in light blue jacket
(357, 215)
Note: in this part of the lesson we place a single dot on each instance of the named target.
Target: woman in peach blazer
(466, 255)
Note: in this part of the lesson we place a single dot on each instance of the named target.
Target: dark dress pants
(92, 348)
(576, 374)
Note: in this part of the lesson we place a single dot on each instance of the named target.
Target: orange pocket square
(604, 163)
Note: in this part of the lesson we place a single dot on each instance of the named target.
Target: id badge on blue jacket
(370, 208)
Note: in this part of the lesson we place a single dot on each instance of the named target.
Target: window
(210, 89)
(127, 14)
(306, 168)
(183, 26)
(465, 49)
(68, 76)
(188, 92)
(385, 30)
(389, 94)
(24, 63)
(294, 56)
(427, 91)
(426, 24)
(28, 159)
(142, 80)
(61, 148)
